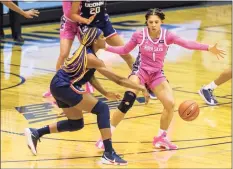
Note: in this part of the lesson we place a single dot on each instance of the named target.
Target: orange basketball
(188, 110)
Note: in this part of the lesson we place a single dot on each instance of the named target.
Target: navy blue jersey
(89, 8)
(66, 93)
(89, 73)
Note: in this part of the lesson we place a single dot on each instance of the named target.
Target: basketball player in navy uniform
(66, 89)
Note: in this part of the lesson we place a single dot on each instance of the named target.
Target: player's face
(101, 41)
(154, 23)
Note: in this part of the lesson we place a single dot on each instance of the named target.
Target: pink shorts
(151, 79)
(68, 29)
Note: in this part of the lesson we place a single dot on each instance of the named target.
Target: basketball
(188, 110)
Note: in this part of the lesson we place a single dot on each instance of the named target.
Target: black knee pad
(76, 124)
(101, 109)
(127, 102)
(70, 125)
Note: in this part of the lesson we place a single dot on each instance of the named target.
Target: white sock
(112, 128)
(161, 131)
(211, 86)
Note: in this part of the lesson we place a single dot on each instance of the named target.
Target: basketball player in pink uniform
(153, 42)
(86, 9)
(68, 31)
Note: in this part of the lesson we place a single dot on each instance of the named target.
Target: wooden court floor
(26, 71)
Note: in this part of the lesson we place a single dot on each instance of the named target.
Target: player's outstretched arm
(94, 62)
(27, 14)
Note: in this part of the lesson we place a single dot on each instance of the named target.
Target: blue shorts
(106, 27)
(65, 94)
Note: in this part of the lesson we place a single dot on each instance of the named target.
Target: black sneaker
(32, 137)
(208, 97)
(112, 159)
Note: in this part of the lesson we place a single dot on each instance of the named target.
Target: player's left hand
(112, 96)
(216, 51)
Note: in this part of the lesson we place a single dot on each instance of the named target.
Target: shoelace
(119, 156)
(211, 94)
(36, 137)
(166, 139)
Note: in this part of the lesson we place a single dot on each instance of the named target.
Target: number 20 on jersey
(94, 11)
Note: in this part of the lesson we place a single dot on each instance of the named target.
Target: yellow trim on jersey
(84, 71)
(76, 55)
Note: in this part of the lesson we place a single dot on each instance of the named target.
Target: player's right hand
(31, 13)
(91, 19)
(113, 96)
(146, 95)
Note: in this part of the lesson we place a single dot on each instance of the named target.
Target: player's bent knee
(170, 105)
(101, 109)
(76, 124)
(70, 125)
(127, 102)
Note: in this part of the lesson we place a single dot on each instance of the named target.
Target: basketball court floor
(26, 72)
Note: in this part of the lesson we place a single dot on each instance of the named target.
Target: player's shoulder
(138, 32)
(169, 32)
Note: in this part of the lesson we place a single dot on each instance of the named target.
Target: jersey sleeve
(128, 47)
(172, 38)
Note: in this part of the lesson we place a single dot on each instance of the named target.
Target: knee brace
(101, 109)
(70, 125)
(127, 102)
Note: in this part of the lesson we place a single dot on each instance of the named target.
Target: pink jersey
(153, 52)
